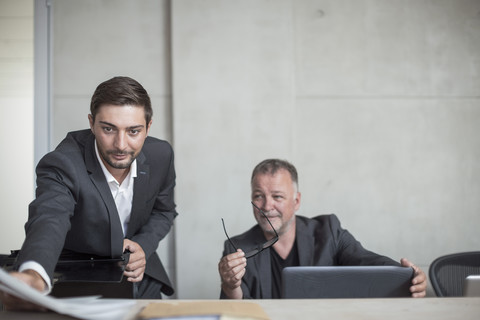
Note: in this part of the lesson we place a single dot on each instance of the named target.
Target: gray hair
(271, 166)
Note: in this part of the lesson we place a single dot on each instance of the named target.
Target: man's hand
(232, 269)
(34, 280)
(419, 281)
(135, 268)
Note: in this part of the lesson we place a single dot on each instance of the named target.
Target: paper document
(88, 308)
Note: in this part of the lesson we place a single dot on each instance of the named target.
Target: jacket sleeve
(349, 251)
(50, 213)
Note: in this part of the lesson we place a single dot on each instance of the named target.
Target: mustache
(120, 153)
(269, 216)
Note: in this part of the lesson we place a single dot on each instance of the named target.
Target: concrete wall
(16, 115)
(377, 103)
(96, 40)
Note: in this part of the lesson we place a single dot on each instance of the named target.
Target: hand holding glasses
(260, 247)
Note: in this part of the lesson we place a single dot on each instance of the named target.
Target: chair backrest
(447, 273)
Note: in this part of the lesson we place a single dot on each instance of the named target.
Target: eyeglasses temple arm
(229, 240)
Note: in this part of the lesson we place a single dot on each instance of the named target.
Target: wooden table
(332, 309)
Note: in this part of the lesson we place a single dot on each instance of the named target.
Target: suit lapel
(98, 179)
(140, 188)
(305, 244)
(262, 263)
(265, 273)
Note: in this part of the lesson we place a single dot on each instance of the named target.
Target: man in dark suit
(104, 191)
(319, 241)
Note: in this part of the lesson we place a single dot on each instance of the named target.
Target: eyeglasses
(260, 247)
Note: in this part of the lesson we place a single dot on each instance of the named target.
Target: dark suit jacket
(74, 208)
(321, 241)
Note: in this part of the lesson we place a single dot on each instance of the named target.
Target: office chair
(447, 273)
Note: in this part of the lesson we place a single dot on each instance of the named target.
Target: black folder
(81, 267)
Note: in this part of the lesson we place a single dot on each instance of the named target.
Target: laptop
(346, 282)
(471, 287)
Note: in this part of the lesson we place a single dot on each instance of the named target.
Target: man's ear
(298, 199)
(148, 126)
(91, 121)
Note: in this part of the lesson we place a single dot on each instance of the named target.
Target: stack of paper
(89, 308)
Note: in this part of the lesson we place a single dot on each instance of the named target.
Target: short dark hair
(121, 91)
(271, 166)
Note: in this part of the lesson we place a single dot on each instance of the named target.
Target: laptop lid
(346, 282)
(471, 287)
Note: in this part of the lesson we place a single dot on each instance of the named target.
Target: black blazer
(74, 208)
(321, 241)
